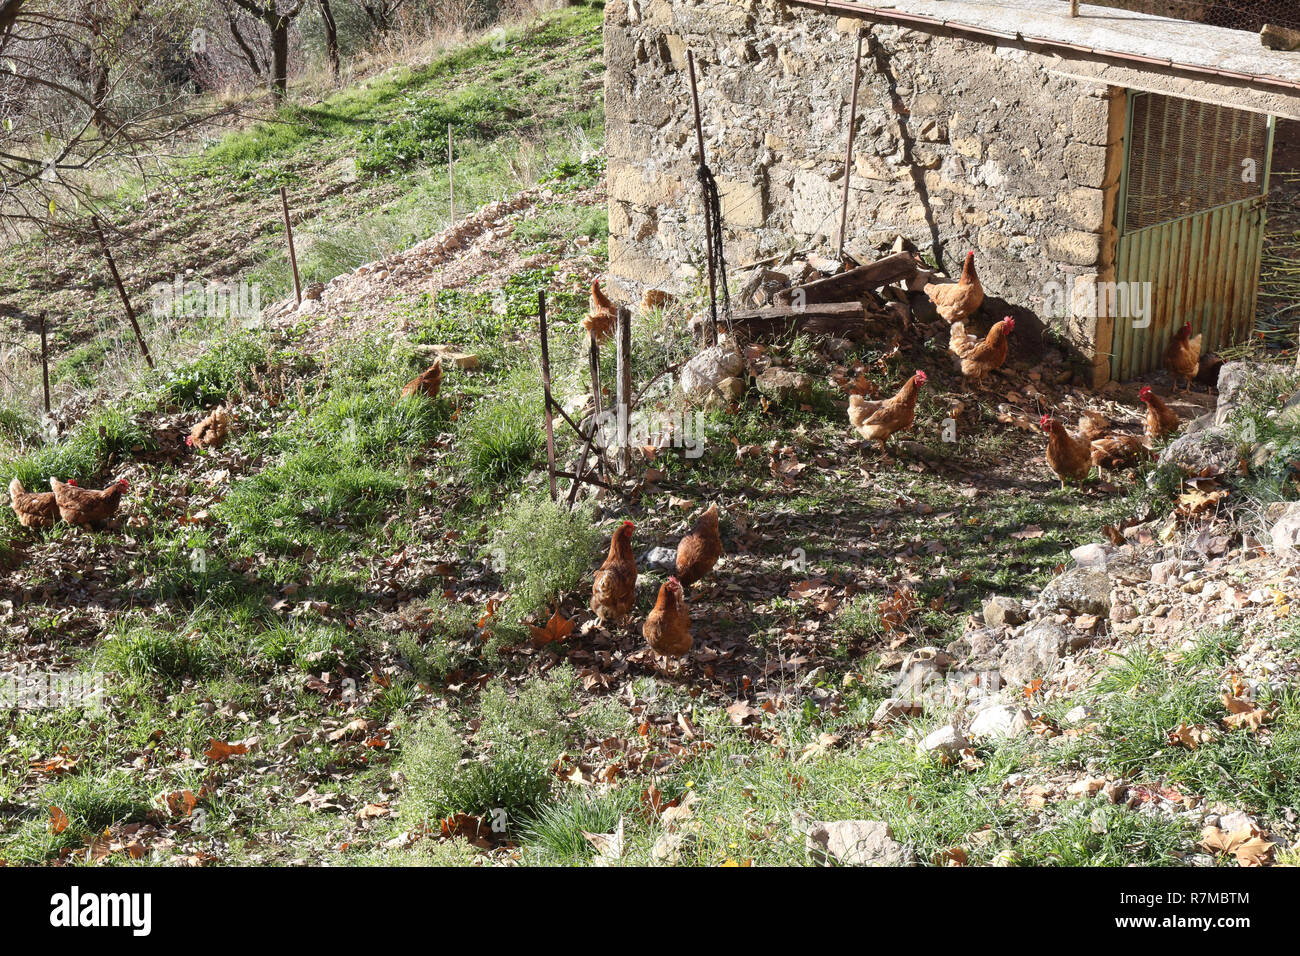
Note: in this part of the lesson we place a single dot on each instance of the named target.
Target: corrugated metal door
(1191, 225)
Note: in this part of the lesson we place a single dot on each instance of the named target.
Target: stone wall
(960, 145)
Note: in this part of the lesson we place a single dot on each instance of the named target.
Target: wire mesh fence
(1249, 15)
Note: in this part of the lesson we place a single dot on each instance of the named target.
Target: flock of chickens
(91, 507)
(1070, 456)
(667, 628)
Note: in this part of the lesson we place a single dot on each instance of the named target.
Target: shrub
(227, 367)
(544, 550)
(860, 619)
(98, 441)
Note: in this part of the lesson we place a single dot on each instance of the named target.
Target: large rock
(853, 843)
(703, 374)
(1034, 654)
(785, 386)
(1002, 611)
(920, 669)
(1079, 591)
(1208, 450)
(1000, 720)
(1236, 378)
(947, 741)
(1284, 534)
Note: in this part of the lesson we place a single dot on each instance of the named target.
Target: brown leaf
(58, 820)
(557, 629)
(219, 751)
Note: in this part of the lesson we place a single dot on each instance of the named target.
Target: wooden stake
(848, 149)
(623, 387)
(293, 256)
(451, 175)
(1074, 8)
(121, 291)
(547, 400)
(708, 228)
(45, 365)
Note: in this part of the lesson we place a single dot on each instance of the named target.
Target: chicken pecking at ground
(1116, 452)
(1068, 457)
(212, 432)
(87, 506)
(613, 593)
(979, 356)
(1183, 355)
(667, 628)
(1161, 420)
(427, 383)
(699, 551)
(877, 421)
(958, 301)
(603, 317)
(35, 509)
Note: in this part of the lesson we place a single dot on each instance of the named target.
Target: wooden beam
(851, 285)
(841, 319)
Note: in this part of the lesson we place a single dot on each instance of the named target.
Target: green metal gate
(1191, 225)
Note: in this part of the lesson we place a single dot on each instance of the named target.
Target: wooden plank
(842, 319)
(854, 284)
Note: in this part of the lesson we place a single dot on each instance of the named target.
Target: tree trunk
(331, 38)
(279, 56)
(247, 50)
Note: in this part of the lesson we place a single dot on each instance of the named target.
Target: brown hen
(699, 551)
(1161, 419)
(428, 382)
(667, 629)
(212, 432)
(877, 421)
(958, 301)
(86, 506)
(979, 357)
(613, 593)
(1067, 456)
(35, 509)
(600, 322)
(1183, 355)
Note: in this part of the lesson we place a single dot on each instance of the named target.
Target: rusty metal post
(293, 256)
(547, 400)
(624, 387)
(848, 149)
(45, 365)
(708, 227)
(121, 291)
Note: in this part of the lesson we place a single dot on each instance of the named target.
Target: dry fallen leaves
(1192, 736)
(219, 751)
(556, 629)
(1247, 844)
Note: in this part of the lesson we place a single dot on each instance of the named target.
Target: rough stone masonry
(960, 145)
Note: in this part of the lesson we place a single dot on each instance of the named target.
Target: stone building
(1107, 170)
